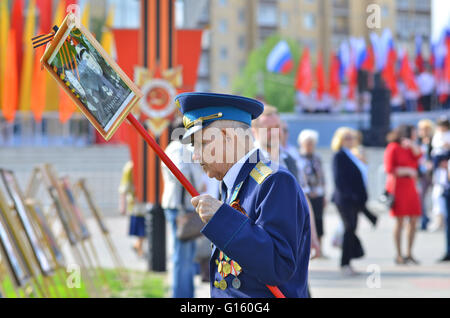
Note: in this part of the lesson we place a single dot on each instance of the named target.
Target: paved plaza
(379, 275)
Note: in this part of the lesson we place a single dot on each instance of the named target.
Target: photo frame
(13, 190)
(77, 215)
(39, 217)
(65, 221)
(11, 253)
(81, 184)
(92, 79)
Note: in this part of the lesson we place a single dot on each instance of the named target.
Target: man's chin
(210, 173)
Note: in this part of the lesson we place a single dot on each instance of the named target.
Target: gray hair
(308, 134)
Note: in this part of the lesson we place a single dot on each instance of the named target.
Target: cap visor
(187, 137)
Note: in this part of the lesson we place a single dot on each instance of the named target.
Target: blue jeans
(183, 261)
(447, 230)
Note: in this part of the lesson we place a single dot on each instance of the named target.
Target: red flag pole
(178, 174)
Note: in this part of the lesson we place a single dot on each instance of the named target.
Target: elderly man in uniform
(261, 229)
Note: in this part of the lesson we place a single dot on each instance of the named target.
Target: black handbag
(387, 199)
(189, 223)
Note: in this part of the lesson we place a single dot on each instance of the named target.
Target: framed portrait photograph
(77, 215)
(11, 254)
(63, 217)
(39, 249)
(81, 184)
(39, 216)
(93, 80)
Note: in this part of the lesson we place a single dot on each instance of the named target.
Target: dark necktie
(224, 192)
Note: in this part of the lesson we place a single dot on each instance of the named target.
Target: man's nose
(196, 156)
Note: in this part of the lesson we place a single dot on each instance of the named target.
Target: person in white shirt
(440, 153)
(175, 200)
(427, 85)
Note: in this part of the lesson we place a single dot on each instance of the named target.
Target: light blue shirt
(361, 165)
(232, 174)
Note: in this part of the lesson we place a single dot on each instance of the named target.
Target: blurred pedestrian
(176, 200)
(359, 152)
(268, 133)
(310, 165)
(129, 205)
(440, 152)
(350, 196)
(427, 86)
(446, 257)
(425, 131)
(401, 161)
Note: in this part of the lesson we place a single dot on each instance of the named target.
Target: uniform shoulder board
(260, 172)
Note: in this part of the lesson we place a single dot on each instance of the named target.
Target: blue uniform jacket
(272, 243)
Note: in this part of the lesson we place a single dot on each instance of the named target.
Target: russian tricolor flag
(280, 59)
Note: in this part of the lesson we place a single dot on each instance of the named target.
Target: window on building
(403, 4)
(223, 26)
(284, 20)
(203, 86)
(423, 5)
(267, 14)
(241, 15)
(309, 21)
(203, 67)
(384, 11)
(242, 42)
(223, 53)
(224, 80)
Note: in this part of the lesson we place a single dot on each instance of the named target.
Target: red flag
(38, 89)
(304, 79)
(17, 24)
(388, 73)
(447, 58)
(45, 14)
(369, 63)
(420, 64)
(10, 80)
(407, 74)
(334, 88)
(352, 76)
(320, 75)
(189, 50)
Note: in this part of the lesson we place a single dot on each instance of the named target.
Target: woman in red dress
(401, 163)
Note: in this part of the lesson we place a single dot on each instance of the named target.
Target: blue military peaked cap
(201, 109)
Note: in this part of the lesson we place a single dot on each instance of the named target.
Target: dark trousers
(447, 230)
(351, 246)
(425, 101)
(317, 206)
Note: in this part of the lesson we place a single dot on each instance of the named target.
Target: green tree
(255, 81)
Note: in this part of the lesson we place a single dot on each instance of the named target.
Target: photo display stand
(50, 240)
(85, 237)
(12, 264)
(81, 188)
(44, 176)
(15, 255)
(39, 250)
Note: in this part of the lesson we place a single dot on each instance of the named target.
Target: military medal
(223, 284)
(226, 269)
(226, 266)
(236, 283)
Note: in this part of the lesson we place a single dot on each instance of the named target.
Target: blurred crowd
(416, 192)
(430, 94)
